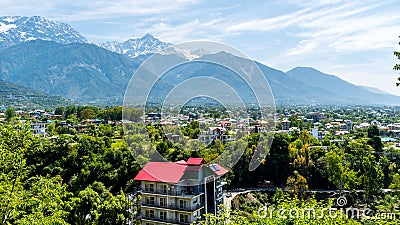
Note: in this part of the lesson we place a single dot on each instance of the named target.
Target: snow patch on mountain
(19, 29)
(138, 46)
(148, 44)
(5, 27)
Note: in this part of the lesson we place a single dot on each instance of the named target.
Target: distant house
(180, 192)
(293, 129)
(376, 123)
(285, 124)
(349, 125)
(153, 117)
(225, 124)
(316, 116)
(37, 113)
(38, 128)
(363, 125)
(317, 134)
(215, 133)
(173, 137)
(92, 121)
(388, 139)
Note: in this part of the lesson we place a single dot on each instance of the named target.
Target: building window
(151, 187)
(183, 218)
(150, 200)
(163, 215)
(163, 202)
(182, 204)
(150, 213)
(165, 189)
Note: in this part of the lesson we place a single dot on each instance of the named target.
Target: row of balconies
(187, 208)
(166, 220)
(177, 193)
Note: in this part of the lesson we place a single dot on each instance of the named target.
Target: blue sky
(353, 39)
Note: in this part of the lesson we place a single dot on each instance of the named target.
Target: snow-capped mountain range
(15, 30)
(100, 73)
(19, 29)
(138, 46)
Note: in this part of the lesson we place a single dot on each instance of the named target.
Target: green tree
(113, 114)
(296, 183)
(96, 205)
(27, 198)
(87, 114)
(372, 176)
(10, 113)
(59, 111)
(335, 168)
(50, 129)
(395, 181)
(69, 111)
(375, 139)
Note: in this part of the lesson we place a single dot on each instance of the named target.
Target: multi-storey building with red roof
(180, 192)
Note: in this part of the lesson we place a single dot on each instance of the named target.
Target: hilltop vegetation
(22, 97)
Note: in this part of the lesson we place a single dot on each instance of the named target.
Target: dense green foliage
(19, 96)
(72, 180)
(281, 208)
(81, 176)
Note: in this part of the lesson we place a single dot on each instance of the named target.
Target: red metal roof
(195, 161)
(193, 168)
(166, 172)
(221, 170)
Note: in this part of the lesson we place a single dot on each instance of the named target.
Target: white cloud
(295, 18)
(336, 26)
(192, 30)
(269, 24)
(84, 10)
(353, 29)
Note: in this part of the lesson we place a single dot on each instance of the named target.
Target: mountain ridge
(136, 46)
(77, 71)
(15, 30)
(68, 65)
(23, 97)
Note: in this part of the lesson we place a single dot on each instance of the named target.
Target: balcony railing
(175, 206)
(171, 193)
(220, 183)
(165, 220)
